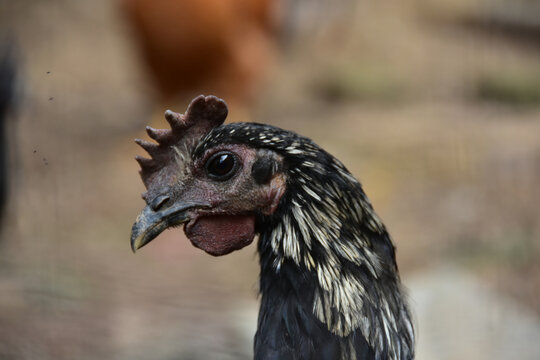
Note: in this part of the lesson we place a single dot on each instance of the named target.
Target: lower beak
(150, 223)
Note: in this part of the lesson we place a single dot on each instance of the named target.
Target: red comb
(202, 115)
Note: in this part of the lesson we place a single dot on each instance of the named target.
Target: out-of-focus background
(433, 104)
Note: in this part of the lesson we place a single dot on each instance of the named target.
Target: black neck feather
(329, 283)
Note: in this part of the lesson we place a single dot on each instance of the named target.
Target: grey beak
(151, 223)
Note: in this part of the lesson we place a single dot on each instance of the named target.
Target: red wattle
(221, 234)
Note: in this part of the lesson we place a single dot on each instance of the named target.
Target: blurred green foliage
(357, 83)
(510, 88)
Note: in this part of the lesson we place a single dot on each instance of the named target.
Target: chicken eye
(221, 166)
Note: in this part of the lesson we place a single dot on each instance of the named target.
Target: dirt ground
(437, 119)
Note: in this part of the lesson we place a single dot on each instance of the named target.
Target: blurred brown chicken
(213, 46)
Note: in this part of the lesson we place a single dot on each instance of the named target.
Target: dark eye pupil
(221, 165)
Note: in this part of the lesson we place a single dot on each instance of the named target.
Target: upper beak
(151, 223)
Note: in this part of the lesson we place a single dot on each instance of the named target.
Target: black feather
(264, 168)
(333, 291)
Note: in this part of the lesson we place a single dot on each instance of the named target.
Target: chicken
(329, 282)
(189, 46)
(7, 95)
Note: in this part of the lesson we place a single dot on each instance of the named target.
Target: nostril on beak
(159, 202)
